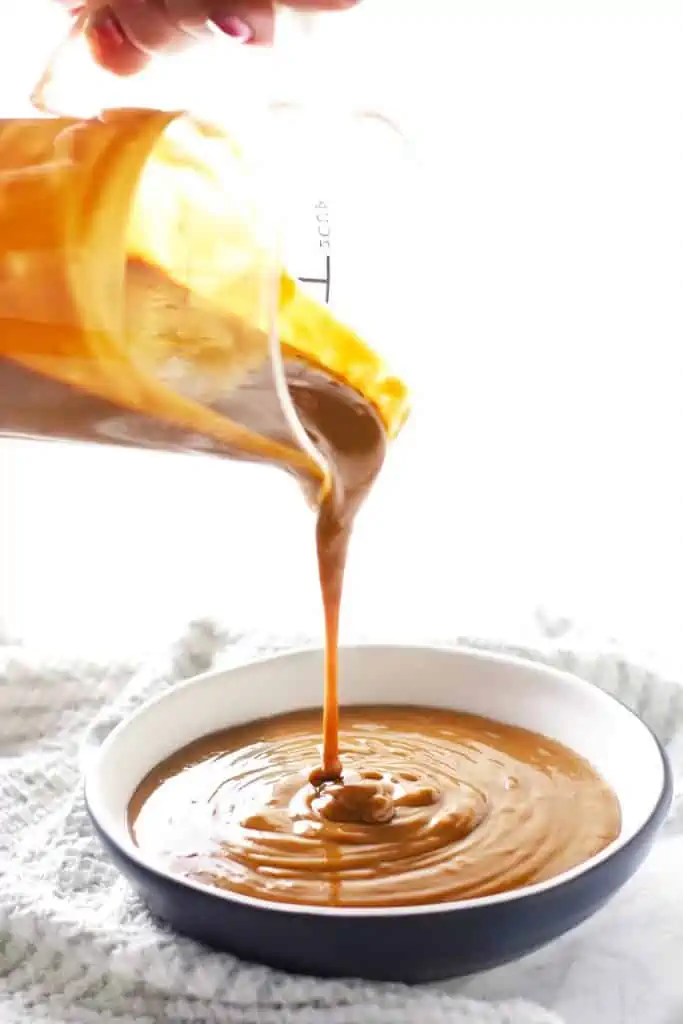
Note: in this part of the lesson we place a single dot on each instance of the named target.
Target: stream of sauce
(435, 806)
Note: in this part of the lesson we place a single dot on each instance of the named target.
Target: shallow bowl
(411, 944)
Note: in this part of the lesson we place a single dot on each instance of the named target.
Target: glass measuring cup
(310, 190)
(305, 246)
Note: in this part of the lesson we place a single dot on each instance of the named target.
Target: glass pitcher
(143, 296)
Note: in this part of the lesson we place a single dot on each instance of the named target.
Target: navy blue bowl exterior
(414, 948)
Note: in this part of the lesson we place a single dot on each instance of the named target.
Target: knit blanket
(78, 947)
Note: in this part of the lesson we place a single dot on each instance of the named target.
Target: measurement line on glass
(322, 217)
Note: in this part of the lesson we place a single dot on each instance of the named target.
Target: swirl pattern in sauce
(433, 806)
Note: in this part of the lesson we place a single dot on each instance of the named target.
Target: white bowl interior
(533, 696)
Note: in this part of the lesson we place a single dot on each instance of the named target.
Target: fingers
(123, 34)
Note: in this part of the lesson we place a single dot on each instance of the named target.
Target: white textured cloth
(77, 947)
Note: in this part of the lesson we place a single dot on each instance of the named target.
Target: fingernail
(106, 29)
(236, 28)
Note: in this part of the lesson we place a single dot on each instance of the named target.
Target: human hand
(124, 34)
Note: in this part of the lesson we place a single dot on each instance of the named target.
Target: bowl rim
(587, 867)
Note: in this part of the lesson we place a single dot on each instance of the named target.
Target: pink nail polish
(236, 28)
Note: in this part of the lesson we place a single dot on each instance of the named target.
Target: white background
(542, 335)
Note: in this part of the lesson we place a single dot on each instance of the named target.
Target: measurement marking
(327, 280)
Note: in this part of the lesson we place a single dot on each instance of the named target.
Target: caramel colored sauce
(350, 436)
(435, 806)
